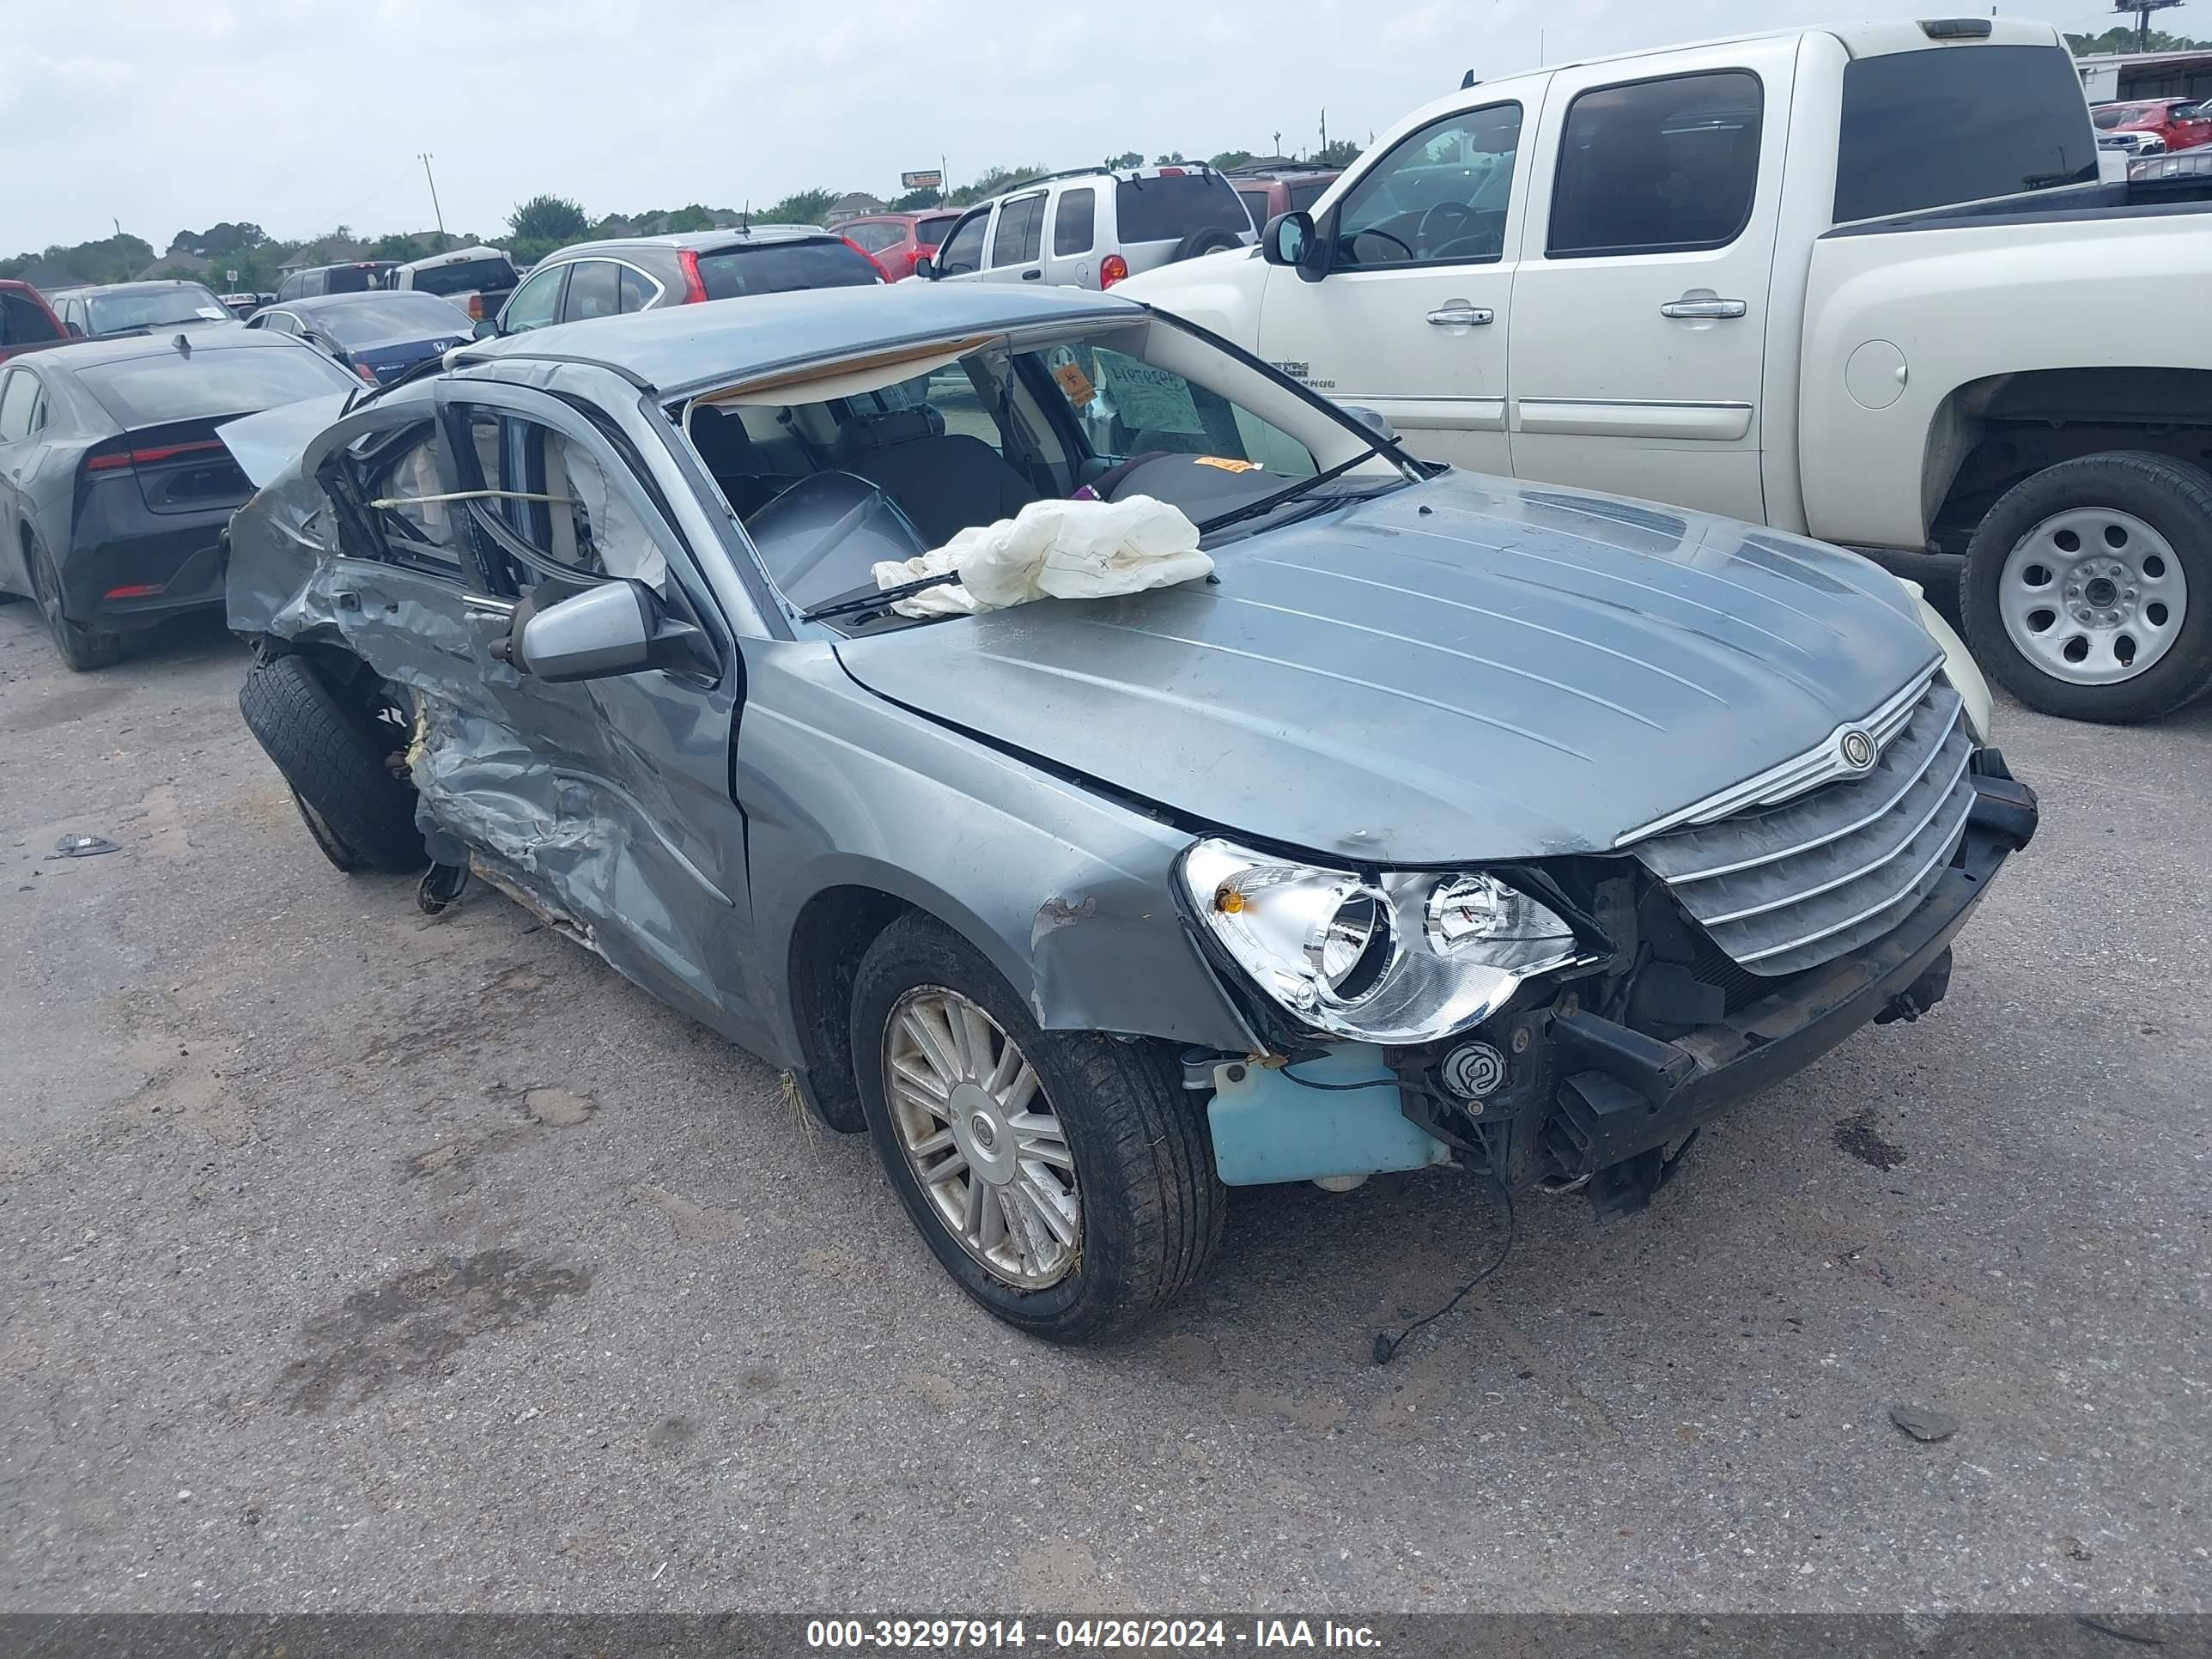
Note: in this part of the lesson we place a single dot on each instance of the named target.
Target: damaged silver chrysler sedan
(1447, 820)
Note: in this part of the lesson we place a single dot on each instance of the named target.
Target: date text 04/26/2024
(1168, 1635)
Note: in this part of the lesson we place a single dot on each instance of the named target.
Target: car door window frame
(8, 380)
(1423, 135)
(690, 594)
(1033, 231)
(1089, 193)
(1637, 250)
(612, 267)
(557, 278)
(980, 217)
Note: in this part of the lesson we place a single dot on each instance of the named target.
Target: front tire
(2087, 588)
(1062, 1178)
(337, 761)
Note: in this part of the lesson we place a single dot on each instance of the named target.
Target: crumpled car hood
(1465, 669)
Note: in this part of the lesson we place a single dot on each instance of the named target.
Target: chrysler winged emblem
(1855, 748)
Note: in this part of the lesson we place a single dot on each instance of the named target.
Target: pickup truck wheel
(2088, 589)
(336, 758)
(1063, 1179)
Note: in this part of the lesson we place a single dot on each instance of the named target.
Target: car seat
(945, 482)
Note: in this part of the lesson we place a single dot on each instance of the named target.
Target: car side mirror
(76, 329)
(487, 328)
(1290, 240)
(926, 268)
(609, 629)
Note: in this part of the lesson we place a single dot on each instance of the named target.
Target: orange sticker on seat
(1075, 384)
(1226, 465)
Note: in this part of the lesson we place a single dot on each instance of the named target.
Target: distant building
(175, 260)
(853, 206)
(2121, 77)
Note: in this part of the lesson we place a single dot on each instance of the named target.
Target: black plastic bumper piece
(1624, 1093)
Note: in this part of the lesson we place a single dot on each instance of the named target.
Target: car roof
(675, 348)
(122, 348)
(149, 286)
(699, 241)
(454, 257)
(312, 303)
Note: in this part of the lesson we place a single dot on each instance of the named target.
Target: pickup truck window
(1931, 129)
(1438, 198)
(1657, 167)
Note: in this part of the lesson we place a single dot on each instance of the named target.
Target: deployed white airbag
(1055, 551)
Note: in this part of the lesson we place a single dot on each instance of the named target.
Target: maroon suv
(1281, 189)
(27, 321)
(897, 240)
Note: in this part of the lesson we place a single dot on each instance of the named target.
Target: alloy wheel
(2092, 596)
(985, 1144)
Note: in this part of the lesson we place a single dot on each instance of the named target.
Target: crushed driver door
(607, 800)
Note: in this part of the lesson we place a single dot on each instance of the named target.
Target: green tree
(914, 201)
(1341, 153)
(1230, 158)
(110, 259)
(1172, 159)
(550, 220)
(1127, 158)
(2123, 38)
(690, 217)
(801, 206)
(991, 182)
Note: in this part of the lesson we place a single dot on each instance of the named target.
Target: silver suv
(1092, 226)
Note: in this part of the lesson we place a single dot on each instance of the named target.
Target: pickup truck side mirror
(611, 627)
(926, 268)
(487, 328)
(1290, 240)
(76, 329)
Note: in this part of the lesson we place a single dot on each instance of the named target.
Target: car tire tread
(335, 763)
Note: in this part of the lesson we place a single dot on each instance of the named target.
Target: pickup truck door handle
(1461, 316)
(1719, 308)
(1033, 276)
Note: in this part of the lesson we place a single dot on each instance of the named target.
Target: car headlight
(1409, 956)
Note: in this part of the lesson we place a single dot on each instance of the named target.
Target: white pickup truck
(1860, 283)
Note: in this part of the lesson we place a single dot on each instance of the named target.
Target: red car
(2184, 122)
(896, 241)
(27, 321)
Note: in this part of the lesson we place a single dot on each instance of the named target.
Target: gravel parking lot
(360, 1260)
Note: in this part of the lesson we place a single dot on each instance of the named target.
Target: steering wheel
(1481, 246)
(1445, 223)
(1357, 236)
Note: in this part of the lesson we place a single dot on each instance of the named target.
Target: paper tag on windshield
(1153, 399)
(210, 312)
(1075, 384)
(1227, 465)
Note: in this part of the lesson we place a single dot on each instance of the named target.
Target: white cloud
(169, 114)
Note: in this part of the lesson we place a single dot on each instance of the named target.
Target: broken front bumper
(1623, 1094)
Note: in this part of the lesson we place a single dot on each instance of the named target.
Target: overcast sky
(169, 114)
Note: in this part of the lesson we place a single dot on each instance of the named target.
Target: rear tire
(2087, 588)
(82, 649)
(1098, 1126)
(1204, 241)
(337, 759)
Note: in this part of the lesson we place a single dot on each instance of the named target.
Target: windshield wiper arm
(881, 599)
(1291, 492)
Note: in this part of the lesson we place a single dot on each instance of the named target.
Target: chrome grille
(1793, 886)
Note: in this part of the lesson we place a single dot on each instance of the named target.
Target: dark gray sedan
(1450, 821)
(114, 489)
